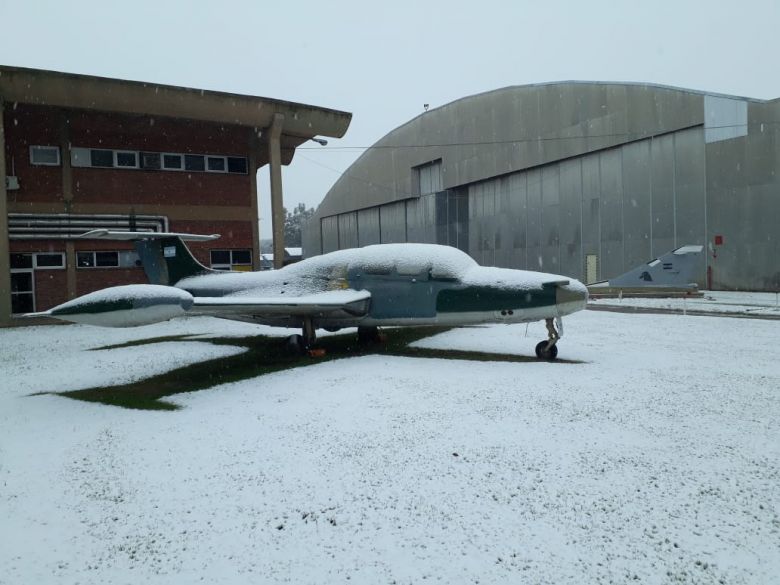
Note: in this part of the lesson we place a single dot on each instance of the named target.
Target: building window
(428, 178)
(23, 268)
(239, 260)
(216, 164)
(150, 161)
(126, 159)
(172, 162)
(38, 260)
(21, 261)
(194, 162)
(48, 261)
(97, 259)
(110, 259)
(22, 292)
(236, 164)
(129, 259)
(101, 158)
(45, 156)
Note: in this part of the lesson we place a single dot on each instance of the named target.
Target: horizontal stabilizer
(688, 250)
(104, 234)
(556, 283)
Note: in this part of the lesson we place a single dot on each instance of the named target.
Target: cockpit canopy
(441, 262)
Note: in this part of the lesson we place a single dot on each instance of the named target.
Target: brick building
(80, 152)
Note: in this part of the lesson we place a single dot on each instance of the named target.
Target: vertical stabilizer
(164, 256)
(674, 269)
(168, 260)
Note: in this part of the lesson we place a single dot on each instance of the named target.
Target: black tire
(546, 354)
(295, 344)
(368, 335)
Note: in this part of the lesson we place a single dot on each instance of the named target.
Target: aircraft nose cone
(571, 297)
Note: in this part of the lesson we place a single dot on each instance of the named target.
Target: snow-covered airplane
(380, 285)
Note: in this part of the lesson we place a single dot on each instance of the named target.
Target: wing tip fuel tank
(125, 306)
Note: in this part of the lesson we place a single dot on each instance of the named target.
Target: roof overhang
(68, 90)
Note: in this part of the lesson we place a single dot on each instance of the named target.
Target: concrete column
(67, 195)
(277, 203)
(254, 149)
(5, 261)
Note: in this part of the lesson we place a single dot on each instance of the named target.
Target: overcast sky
(383, 61)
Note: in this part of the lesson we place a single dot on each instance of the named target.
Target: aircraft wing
(352, 302)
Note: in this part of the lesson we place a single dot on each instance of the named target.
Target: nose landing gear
(548, 350)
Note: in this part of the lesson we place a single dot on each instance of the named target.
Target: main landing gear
(548, 350)
(369, 335)
(304, 343)
(300, 344)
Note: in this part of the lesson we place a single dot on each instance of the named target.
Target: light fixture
(320, 141)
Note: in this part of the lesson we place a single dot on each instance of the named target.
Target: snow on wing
(351, 301)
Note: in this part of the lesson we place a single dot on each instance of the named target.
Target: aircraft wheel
(296, 345)
(546, 354)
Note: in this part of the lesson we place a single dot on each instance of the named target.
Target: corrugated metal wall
(626, 205)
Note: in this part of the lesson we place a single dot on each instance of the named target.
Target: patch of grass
(148, 341)
(263, 355)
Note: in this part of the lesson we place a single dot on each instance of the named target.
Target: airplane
(370, 287)
(675, 269)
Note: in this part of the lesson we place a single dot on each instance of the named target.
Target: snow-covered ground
(654, 456)
(715, 302)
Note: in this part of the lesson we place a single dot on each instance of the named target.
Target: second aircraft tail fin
(164, 256)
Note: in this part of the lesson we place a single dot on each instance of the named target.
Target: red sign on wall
(718, 240)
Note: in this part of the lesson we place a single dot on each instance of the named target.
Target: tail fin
(168, 260)
(676, 268)
(164, 256)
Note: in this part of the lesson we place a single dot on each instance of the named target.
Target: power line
(634, 136)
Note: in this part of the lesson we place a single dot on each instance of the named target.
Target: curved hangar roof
(515, 128)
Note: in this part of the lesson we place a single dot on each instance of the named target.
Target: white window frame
(113, 158)
(205, 162)
(127, 259)
(133, 152)
(152, 169)
(30, 271)
(162, 161)
(80, 157)
(60, 254)
(224, 162)
(223, 266)
(94, 259)
(38, 147)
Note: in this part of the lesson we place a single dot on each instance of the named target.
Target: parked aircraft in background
(675, 269)
(381, 285)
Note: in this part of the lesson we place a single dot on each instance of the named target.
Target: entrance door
(22, 284)
(22, 291)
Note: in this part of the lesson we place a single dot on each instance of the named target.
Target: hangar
(79, 152)
(587, 179)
